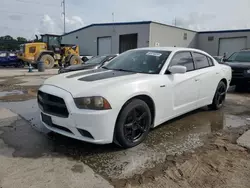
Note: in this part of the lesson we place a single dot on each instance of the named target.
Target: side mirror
(177, 69)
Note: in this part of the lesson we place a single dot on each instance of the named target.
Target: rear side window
(201, 61)
(210, 61)
(183, 58)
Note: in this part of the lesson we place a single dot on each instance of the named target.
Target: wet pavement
(172, 138)
(8, 93)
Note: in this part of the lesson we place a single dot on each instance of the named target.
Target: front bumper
(99, 124)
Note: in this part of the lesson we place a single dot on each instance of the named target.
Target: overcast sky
(28, 17)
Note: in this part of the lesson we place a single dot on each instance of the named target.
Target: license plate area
(46, 119)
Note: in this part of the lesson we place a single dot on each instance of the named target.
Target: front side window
(141, 61)
(184, 59)
(54, 41)
(200, 60)
(240, 57)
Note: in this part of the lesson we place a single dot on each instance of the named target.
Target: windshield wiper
(123, 70)
(105, 68)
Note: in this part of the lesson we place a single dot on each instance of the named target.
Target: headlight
(92, 103)
(248, 71)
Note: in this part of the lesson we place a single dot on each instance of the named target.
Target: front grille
(237, 73)
(51, 104)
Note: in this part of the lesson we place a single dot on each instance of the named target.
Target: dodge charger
(139, 90)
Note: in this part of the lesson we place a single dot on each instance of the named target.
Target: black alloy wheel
(219, 97)
(133, 124)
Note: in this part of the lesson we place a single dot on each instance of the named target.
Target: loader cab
(53, 41)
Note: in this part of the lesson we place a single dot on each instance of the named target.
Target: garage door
(104, 45)
(230, 45)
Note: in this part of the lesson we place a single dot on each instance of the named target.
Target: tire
(219, 96)
(137, 116)
(75, 60)
(48, 61)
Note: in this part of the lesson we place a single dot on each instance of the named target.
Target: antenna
(113, 17)
(113, 20)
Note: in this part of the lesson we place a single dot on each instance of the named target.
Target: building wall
(164, 35)
(212, 47)
(87, 37)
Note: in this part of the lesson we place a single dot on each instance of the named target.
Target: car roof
(172, 49)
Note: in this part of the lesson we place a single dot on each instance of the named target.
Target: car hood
(93, 81)
(81, 66)
(244, 65)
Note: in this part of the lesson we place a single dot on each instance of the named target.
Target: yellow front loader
(50, 51)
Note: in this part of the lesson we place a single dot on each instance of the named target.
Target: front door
(185, 86)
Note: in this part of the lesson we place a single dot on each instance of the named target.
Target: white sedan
(136, 91)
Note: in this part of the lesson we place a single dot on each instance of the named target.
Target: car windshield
(141, 61)
(240, 57)
(95, 60)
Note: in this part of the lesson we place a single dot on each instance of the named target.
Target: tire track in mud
(218, 163)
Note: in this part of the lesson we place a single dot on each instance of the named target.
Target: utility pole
(113, 21)
(64, 17)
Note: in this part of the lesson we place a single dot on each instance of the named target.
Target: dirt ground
(195, 150)
(220, 163)
(20, 88)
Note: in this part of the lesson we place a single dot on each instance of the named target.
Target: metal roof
(149, 22)
(123, 23)
(225, 31)
(109, 24)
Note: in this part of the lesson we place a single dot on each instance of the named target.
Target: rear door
(208, 77)
(185, 86)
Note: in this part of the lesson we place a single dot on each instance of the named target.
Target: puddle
(9, 93)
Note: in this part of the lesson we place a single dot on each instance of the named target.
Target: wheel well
(148, 100)
(225, 81)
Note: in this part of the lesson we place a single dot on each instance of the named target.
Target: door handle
(217, 73)
(196, 79)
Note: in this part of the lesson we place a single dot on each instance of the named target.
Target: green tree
(21, 39)
(7, 42)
